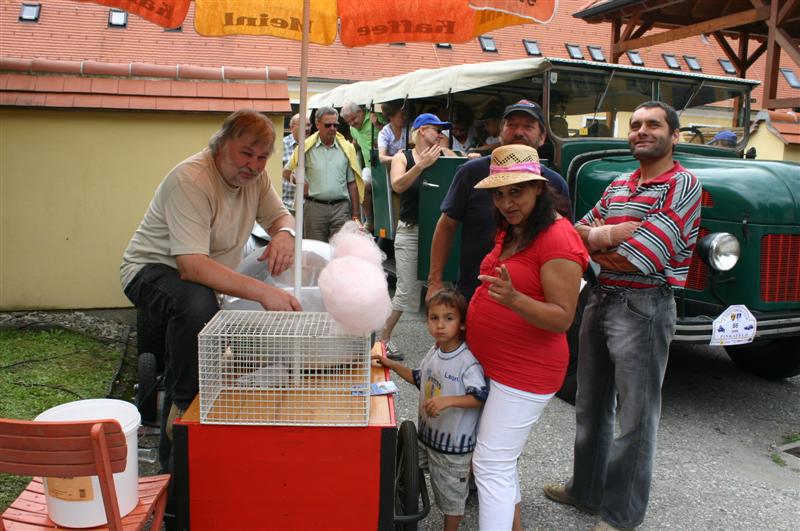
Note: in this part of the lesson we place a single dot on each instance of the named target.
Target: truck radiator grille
(780, 268)
(706, 200)
(698, 270)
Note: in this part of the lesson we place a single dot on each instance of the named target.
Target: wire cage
(282, 368)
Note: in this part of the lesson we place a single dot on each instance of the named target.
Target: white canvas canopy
(430, 82)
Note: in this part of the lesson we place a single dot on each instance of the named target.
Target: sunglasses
(334, 125)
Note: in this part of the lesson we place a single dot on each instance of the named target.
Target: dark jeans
(185, 307)
(624, 346)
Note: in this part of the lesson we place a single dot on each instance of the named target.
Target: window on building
(117, 18)
(727, 66)
(445, 45)
(671, 61)
(704, 39)
(692, 63)
(574, 51)
(30, 12)
(487, 44)
(179, 29)
(597, 53)
(532, 47)
(397, 44)
(791, 77)
(635, 58)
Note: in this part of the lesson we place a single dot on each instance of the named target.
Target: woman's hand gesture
(501, 288)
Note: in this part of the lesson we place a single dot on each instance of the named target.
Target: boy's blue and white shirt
(454, 373)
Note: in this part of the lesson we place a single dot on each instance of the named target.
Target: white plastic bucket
(78, 502)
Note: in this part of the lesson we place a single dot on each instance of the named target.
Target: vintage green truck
(748, 251)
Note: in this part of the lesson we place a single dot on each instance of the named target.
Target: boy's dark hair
(451, 298)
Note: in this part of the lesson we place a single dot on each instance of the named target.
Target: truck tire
(772, 359)
(147, 389)
(570, 386)
(407, 476)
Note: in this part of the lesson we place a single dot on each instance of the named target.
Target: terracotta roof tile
(142, 102)
(8, 98)
(105, 69)
(30, 99)
(49, 84)
(169, 104)
(109, 101)
(59, 100)
(48, 65)
(20, 82)
(77, 84)
(20, 65)
(222, 105)
(151, 70)
(234, 90)
(181, 88)
(157, 88)
(199, 72)
(131, 86)
(209, 90)
(105, 85)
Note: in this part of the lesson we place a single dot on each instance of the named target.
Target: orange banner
(166, 13)
(407, 21)
(541, 11)
(278, 18)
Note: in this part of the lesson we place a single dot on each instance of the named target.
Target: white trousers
(506, 421)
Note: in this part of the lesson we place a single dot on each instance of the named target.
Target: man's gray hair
(322, 111)
(244, 122)
(350, 108)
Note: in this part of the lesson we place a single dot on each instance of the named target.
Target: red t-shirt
(512, 351)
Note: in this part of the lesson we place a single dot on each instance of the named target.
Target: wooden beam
(785, 10)
(644, 28)
(744, 40)
(726, 22)
(729, 53)
(781, 103)
(758, 52)
(632, 23)
(615, 31)
(784, 40)
(772, 62)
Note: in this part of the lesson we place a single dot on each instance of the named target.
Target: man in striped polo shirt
(642, 233)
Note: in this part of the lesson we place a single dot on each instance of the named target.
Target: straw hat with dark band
(512, 164)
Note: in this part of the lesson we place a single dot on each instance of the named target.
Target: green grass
(791, 438)
(40, 369)
(777, 459)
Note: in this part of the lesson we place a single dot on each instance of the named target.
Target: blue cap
(724, 138)
(430, 119)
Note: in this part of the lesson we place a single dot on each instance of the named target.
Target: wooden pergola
(772, 25)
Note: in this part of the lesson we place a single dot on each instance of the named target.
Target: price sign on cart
(735, 326)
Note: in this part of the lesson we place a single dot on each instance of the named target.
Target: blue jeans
(185, 307)
(624, 346)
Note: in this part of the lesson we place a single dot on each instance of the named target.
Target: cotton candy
(351, 240)
(356, 294)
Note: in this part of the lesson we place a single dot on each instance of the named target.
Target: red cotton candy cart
(291, 442)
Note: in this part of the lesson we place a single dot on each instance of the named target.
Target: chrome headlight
(720, 250)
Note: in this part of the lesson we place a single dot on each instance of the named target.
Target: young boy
(452, 389)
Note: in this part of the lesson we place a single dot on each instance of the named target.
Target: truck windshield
(600, 104)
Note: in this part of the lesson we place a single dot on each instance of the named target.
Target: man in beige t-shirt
(190, 242)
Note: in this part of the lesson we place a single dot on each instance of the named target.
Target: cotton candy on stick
(353, 285)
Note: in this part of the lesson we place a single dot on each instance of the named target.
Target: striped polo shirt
(661, 248)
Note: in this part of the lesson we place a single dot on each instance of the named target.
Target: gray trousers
(321, 221)
(624, 347)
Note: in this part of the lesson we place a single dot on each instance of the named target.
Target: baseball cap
(724, 138)
(430, 119)
(528, 107)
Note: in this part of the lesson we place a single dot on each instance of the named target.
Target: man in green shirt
(364, 128)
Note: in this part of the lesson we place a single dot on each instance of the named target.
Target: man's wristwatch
(287, 229)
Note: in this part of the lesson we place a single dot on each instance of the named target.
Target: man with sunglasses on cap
(523, 123)
(333, 184)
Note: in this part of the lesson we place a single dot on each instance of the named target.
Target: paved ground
(714, 467)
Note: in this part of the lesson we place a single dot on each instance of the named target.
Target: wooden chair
(73, 449)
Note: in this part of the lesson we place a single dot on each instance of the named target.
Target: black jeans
(185, 307)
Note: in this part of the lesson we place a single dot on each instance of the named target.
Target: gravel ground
(714, 467)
